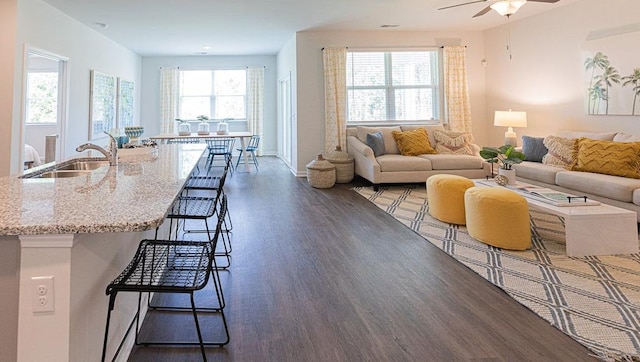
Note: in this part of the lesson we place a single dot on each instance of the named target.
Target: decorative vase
(203, 128)
(184, 129)
(223, 128)
(509, 174)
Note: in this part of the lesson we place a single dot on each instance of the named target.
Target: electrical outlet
(42, 299)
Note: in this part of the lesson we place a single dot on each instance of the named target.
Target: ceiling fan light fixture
(507, 7)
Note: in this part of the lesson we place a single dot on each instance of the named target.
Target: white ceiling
(249, 27)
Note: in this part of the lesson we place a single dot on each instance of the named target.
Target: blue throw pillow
(376, 142)
(533, 148)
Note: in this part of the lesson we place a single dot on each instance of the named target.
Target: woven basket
(344, 165)
(321, 173)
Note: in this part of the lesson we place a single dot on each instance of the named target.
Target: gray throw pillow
(376, 142)
(533, 148)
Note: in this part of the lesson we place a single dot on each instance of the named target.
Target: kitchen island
(81, 231)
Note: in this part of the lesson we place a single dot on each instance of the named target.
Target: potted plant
(203, 127)
(184, 128)
(505, 156)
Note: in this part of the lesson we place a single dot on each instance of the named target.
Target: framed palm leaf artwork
(611, 66)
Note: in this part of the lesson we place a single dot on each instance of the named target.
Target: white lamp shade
(510, 119)
(507, 7)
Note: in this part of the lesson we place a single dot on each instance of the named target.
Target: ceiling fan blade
(483, 11)
(544, 1)
(467, 3)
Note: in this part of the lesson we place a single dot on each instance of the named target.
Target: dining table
(242, 135)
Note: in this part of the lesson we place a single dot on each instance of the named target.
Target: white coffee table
(590, 230)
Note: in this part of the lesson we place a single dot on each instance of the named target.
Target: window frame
(212, 96)
(389, 88)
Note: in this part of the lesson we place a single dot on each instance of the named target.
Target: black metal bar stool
(169, 266)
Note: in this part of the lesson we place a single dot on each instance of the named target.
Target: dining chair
(252, 147)
(219, 147)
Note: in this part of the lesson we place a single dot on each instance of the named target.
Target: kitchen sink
(64, 173)
(83, 165)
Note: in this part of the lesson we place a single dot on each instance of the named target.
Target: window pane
(411, 68)
(195, 82)
(230, 107)
(230, 82)
(365, 69)
(42, 110)
(42, 102)
(367, 105)
(393, 86)
(412, 104)
(192, 107)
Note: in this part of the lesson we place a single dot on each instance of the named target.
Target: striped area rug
(595, 299)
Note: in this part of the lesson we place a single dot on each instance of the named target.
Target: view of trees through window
(392, 86)
(42, 97)
(217, 94)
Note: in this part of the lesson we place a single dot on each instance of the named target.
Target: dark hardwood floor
(324, 275)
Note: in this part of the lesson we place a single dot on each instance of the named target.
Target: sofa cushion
(399, 163)
(537, 171)
(458, 143)
(560, 151)
(389, 142)
(376, 142)
(413, 143)
(603, 136)
(607, 157)
(626, 137)
(430, 128)
(533, 148)
(454, 162)
(612, 187)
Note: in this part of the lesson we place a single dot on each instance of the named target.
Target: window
(393, 86)
(42, 97)
(217, 94)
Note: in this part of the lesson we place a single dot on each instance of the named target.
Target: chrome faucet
(111, 155)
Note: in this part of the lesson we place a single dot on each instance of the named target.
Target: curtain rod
(449, 45)
(324, 47)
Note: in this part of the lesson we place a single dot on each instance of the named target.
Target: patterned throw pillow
(608, 157)
(457, 143)
(560, 151)
(413, 143)
(376, 142)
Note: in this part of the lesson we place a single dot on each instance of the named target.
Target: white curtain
(456, 89)
(255, 101)
(335, 98)
(169, 89)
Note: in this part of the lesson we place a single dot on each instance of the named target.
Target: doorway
(44, 107)
(285, 112)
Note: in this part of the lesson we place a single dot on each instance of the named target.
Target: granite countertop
(135, 195)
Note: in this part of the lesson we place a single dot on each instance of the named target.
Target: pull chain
(509, 37)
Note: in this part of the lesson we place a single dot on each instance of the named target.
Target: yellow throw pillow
(413, 143)
(560, 151)
(607, 157)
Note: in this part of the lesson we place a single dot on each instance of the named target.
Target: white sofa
(392, 167)
(617, 191)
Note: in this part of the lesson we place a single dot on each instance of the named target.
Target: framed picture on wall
(102, 116)
(125, 103)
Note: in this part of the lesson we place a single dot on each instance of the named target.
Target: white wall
(150, 116)
(42, 26)
(8, 21)
(545, 77)
(310, 84)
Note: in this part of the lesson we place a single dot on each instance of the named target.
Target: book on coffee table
(553, 197)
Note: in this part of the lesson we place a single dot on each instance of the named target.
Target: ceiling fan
(502, 7)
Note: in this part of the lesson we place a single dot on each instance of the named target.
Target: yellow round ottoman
(445, 195)
(498, 217)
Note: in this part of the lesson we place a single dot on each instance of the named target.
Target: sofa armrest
(355, 145)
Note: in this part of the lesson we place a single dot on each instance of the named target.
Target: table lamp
(510, 119)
